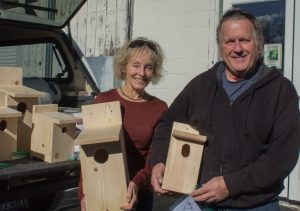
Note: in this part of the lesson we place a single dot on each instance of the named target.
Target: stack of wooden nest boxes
(18, 131)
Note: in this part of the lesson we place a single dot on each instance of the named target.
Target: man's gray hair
(242, 14)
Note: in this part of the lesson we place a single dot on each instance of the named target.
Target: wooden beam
(189, 136)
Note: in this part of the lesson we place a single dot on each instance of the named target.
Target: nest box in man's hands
(184, 159)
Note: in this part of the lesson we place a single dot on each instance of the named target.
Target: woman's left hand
(131, 198)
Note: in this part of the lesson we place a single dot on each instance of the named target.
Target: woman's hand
(132, 197)
(82, 204)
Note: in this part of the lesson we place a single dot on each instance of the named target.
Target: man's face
(238, 48)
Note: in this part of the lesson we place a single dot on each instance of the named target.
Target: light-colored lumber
(43, 108)
(101, 115)
(94, 135)
(184, 159)
(20, 91)
(8, 132)
(11, 76)
(103, 157)
(2, 99)
(6, 112)
(59, 117)
(14, 95)
(188, 136)
(53, 134)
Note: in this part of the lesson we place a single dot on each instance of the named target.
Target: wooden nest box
(53, 134)
(102, 157)
(20, 98)
(184, 159)
(8, 132)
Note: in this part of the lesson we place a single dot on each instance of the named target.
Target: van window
(37, 60)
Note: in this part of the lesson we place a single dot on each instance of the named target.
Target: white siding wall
(100, 26)
(186, 32)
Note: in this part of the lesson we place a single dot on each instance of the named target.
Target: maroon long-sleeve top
(139, 121)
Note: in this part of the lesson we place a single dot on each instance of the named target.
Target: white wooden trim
(294, 178)
(296, 60)
(288, 39)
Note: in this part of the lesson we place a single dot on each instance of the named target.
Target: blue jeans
(272, 206)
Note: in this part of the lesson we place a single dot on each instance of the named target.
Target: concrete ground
(286, 206)
(70, 202)
(167, 201)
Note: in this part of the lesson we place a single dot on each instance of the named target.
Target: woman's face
(139, 71)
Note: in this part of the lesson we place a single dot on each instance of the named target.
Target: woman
(138, 63)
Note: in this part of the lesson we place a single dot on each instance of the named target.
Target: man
(250, 114)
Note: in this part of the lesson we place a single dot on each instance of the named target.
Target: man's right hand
(157, 176)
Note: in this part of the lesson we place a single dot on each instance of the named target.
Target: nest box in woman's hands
(103, 157)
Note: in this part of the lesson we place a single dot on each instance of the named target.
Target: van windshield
(55, 13)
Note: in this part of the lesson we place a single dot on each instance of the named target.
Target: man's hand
(157, 176)
(131, 197)
(215, 190)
